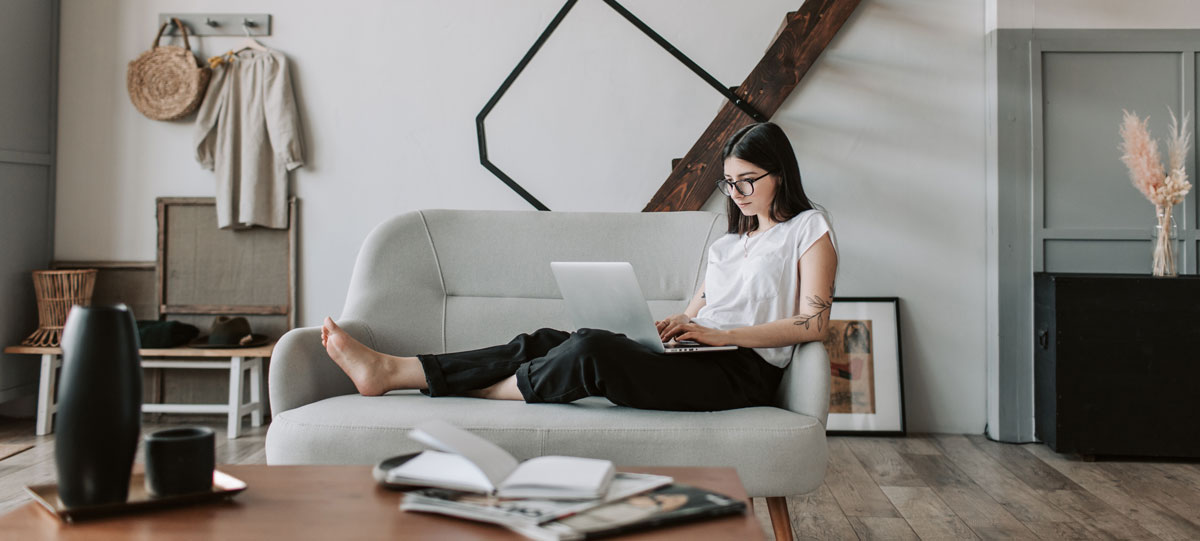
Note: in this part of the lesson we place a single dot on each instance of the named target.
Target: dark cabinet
(1117, 364)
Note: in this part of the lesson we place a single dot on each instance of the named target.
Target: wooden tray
(224, 486)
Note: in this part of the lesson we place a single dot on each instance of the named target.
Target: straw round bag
(166, 83)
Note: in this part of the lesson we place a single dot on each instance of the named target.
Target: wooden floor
(920, 487)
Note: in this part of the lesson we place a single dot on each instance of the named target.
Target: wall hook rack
(220, 24)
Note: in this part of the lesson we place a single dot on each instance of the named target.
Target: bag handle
(182, 29)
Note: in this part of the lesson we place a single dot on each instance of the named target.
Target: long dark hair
(765, 145)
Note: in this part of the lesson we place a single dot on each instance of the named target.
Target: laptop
(607, 296)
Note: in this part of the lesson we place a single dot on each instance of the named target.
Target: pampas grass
(1165, 188)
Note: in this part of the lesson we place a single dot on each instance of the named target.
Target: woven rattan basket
(57, 291)
(166, 82)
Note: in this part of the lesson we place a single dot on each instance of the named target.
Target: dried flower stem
(1164, 246)
(1164, 188)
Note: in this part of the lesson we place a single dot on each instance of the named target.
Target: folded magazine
(548, 520)
(672, 504)
(523, 512)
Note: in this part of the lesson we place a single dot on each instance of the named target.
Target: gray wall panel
(28, 99)
(26, 243)
(27, 32)
(1086, 185)
(1118, 256)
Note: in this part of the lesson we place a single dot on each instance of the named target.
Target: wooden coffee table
(340, 502)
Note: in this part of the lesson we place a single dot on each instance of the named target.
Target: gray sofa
(441, 280)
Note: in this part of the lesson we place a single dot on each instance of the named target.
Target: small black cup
(180, 460)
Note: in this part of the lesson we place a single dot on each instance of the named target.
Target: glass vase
(1164, 244)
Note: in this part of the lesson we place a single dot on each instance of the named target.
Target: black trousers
(560, 367)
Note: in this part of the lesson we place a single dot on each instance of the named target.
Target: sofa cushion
(789, 450)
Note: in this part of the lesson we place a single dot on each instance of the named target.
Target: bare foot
(368, 369)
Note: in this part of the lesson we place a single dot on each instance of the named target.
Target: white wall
(1093, 14)
(888, 128)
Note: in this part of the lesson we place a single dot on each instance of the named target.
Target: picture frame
(866, 391)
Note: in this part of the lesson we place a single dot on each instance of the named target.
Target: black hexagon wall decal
(516, 72)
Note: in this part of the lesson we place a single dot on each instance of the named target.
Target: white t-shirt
(755, 280)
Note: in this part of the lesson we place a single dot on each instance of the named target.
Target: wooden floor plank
(927, 514)
(1060, 530)
(1025, 503)
(237, 450)
(1026, 467)
(1182, 471)
(871, 528)
(1097, 516)
(918, 444)
(42, 450)
(855, 491)
(1145, 481)
(984, 515)
(941, 528)
(33, 467)
(1160, 521)
(883, 463)
(818, 516)
(937, 471)
(257, 457)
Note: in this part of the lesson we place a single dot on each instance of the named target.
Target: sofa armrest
(805, 385)
(302, 372)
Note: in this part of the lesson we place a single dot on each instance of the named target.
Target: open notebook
(460, 460)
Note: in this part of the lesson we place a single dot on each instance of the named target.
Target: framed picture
(866, 391)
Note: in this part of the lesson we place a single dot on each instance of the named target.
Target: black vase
(100, 406)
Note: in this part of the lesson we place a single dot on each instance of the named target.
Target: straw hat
(230, 332)
(167, 83)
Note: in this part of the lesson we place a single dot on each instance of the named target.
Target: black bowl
(180, 460)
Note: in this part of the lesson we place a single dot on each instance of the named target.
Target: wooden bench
(237, 361)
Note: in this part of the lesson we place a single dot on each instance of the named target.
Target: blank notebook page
(445, 468)
(559, 471)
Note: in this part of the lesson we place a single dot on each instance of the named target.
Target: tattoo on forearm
(704, 295)
(821, 305)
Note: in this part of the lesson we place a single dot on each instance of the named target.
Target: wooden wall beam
(807, 32)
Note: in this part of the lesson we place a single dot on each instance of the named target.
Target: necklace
(745, 242)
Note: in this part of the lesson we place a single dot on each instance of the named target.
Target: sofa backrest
(447, 280)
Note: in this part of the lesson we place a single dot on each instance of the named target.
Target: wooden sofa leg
(781, 521)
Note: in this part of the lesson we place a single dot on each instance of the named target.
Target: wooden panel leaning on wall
(805, 34)
(204, 271)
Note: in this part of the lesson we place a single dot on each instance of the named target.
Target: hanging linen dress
(248, 133)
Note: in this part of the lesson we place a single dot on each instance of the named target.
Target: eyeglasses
(744, 186)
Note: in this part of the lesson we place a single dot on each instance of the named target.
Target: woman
(768, 287)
